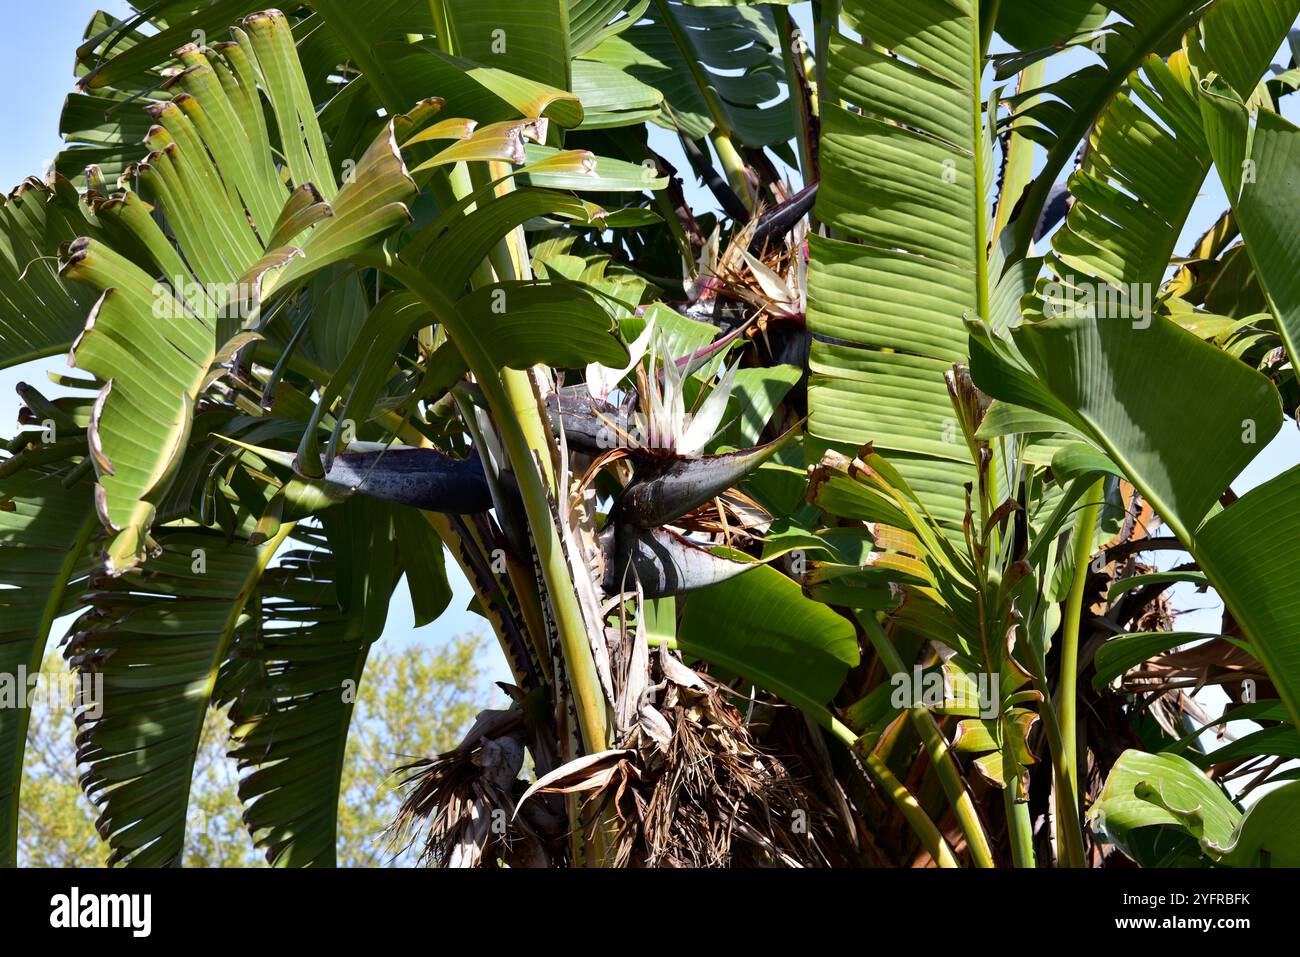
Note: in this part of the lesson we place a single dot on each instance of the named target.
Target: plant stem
(569, 623)
(796, 82)
(945, 765)
(1069, 827)
(442, 26)
(1019, 827)
(510, 260)
(931, 839)
(1019, 170)
(1067, 693)
(988, 19)
(734, 166)
(826, 17)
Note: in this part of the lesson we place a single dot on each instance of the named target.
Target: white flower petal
(706, 421)
(602, 380)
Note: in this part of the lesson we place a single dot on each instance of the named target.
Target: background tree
(444, 684)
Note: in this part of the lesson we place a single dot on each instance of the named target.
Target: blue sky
(37, 64)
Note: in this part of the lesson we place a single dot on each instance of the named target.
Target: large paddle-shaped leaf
(1148, 153)
(1259, 164)
(239, 232)
(690, 53)
(905, 172)
(761, 626)
(293, 680)
(1151, 790)
(1248, 551)
(1062, 112)
(40, 314)
(1165, 405)
(45, 530)
(158, 660)
(1181, 419)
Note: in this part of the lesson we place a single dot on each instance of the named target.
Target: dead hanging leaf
(455, 798)
(633, 668)
(677, 672)
(1139, 518)
(655, 726)
(1214, 662)
(591, 772)
(711, 797)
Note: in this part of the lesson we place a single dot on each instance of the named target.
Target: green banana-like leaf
(45, 533)
(1240, 37)
(1029, 25)
(1239, 553)
(1060, 113)
(556, 323)
(423, 559)
(102, 125)
(1122, 586)
(124, 55)
(1259, 164)
(468, 240)
(104, 130)
(1146, 790)
(760, 626)
(159, 661)
(486, 92)
(1120, 654)
(757, 394)
(529, 38)
(611, 97)
(293, 681)
(154, 335)
(1121, 183)
(362, 374)
(605, 175)
(1178, 416)
(679, 49)
(1266, 835)
(1181, 419)
(1280, 741)
(496, 76)
(1122, 380)
(40, 314)
(342, 32)
(907, 177)
(593, 21)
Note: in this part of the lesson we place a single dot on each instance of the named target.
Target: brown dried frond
(463, 801)
(1158, 615)
(690, 787)
(731, 516)
(721, 801)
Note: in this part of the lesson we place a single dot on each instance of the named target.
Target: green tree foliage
(444, 684)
